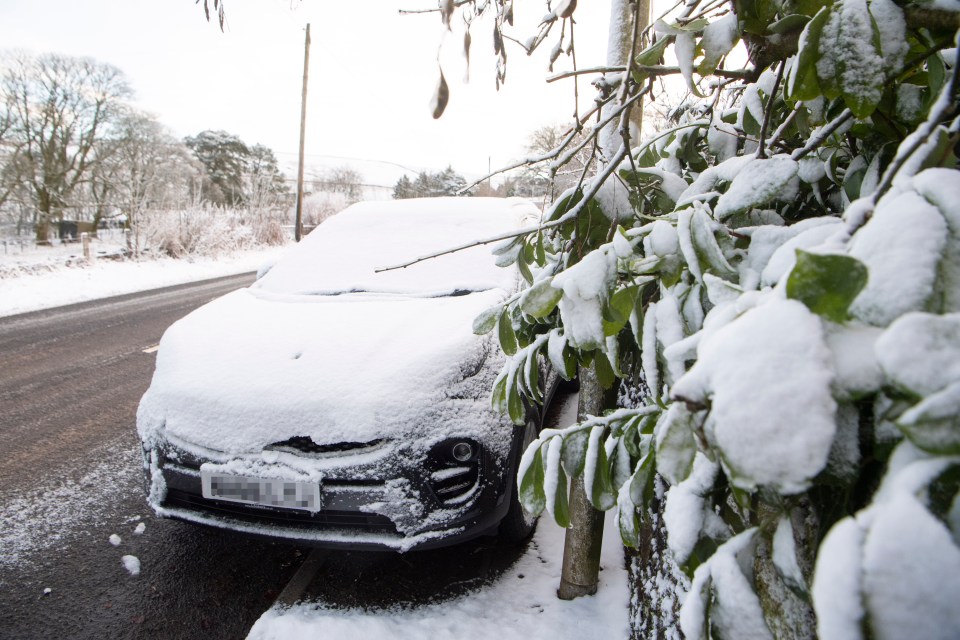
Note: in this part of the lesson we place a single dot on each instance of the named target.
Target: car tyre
(518, 525)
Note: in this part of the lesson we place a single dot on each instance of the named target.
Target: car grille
(303, 444)
(370, 522)
(455, 484)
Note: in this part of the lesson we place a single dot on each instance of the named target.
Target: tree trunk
(584, 538)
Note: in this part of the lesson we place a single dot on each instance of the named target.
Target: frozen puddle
(512, 608)
(46, 517)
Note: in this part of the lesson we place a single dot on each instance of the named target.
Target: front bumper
(385, 498)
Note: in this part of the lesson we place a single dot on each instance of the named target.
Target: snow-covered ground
(522, 604)
(45, 277)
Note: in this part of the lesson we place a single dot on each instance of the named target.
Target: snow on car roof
(343, 253)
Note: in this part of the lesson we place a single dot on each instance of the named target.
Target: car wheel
(517, 525)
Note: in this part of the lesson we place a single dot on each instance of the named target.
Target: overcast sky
(372, 74)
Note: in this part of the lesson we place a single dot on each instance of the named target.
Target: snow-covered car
(335, 405)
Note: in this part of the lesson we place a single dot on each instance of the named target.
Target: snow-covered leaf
(540, 299)
(768, 378)
(850, 63)
(759, 183)
(676, 444)
(555, 484)
(532, 496)
(934, 423)
(901, 246)
(574, 451)
(486, 321)
(802, 81)
(596, 473)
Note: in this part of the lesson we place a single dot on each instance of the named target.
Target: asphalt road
(70, 478)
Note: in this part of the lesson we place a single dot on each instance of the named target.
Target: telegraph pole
(298, 225)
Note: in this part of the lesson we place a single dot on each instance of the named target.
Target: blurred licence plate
(268, 492)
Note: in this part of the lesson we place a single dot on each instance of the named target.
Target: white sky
(372, 74)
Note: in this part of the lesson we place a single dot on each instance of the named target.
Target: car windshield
(341, 256)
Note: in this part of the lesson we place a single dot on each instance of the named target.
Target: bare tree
(56, 108)
(143, 168)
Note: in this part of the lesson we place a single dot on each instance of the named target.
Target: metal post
(298, 225)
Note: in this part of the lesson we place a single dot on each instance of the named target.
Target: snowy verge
(509, 609)
(105, 278)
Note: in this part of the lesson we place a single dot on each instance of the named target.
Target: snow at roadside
(48, 283)
(510, 609)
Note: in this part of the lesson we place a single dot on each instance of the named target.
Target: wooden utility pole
(580, 573)
(298, 225)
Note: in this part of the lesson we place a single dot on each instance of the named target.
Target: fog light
(462, 451)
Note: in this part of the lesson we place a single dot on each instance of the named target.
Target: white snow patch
(115, 540)
(110, 278)
(509, 609)
(131, 564)
(767, 376)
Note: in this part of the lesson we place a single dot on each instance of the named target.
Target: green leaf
(498, 397)
(641, 483)
(933, 424)
(540, 299)
(706, 246)
(524, 267)
(802, 83)
(620, 465)
(786, 24)
(561, 509)
(755, 15)
(650, 57)
(616, 313)
(601, 493)
(532, 373)
(507, 246)
(487, 320)
(676, 446)
(629, 524)
(532, 497)
(574, 451)
(826, 284)
(605, 374)
(508, 338)
(515, 407)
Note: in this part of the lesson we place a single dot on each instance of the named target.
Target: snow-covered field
(45, 277)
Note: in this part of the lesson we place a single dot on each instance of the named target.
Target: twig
(457, 4)
(761, 148)
(595, 185)
(825, 132)
(654, 70)
(549, 155)
(945, 104)
(783, 126)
